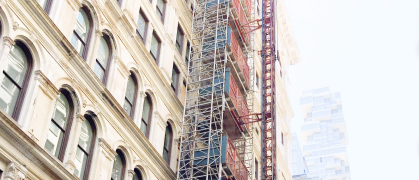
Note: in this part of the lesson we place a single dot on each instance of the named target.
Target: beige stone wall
(58, 65)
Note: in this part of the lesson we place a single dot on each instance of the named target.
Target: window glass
(175, 76)
(86, 135)
(102, 59)
(167, 142)
(84, 145)
(146, 115)
(141, 23)
(81, 31)
(129, 95)
(159, 8)
(138, 175)
(82, 25)
(154, 49)
(117, 168)
(179, 38)
(130, 90)
(12, 83)
(187, 53)
(58, 125)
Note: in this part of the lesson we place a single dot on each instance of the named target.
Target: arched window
(103, 60)
(81, 33)
(130, 95)
(138, 175)
(59, 128)
(167, 147)
(15, 81)
(85, 148)
(118, 169)
(146, 117)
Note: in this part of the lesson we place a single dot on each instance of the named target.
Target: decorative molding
(107, 149)
(15, 26)
(80, 118)
(70, 165)
(98, 33)
(46, 85)
(131, 174)
(160, 119)
(8, 41)
(121, 66)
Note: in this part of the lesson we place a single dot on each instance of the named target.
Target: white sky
(369, 51)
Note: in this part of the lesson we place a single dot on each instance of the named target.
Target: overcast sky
(369, 51)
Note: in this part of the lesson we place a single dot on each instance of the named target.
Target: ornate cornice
(107, 149)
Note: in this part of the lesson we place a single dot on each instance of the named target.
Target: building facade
(299, 165)
(325, 135)
(94, 89)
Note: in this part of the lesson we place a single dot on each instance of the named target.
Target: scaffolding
(219, 93)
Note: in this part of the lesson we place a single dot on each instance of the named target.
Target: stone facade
(56, 66)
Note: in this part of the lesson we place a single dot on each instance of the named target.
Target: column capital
(131, 174)
(8, 41)
(80, 118)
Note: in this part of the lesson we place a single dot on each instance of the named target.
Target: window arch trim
(134, 102)
(109, 42)
(90, 117)
(21, 97)
(70, 119)
(89, 35)
(170, 143)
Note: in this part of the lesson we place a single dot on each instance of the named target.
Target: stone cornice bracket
(131, 174)
(80, 118)
(46, 85)
(8, 41)
(98, 33)
(107, 149)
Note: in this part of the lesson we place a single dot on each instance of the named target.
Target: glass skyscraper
(324, 135)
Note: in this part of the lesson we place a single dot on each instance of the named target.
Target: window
(167, 143)
(257, 81)
(309, 138)
(188, 46)
(130, 95)
(175, 78)
(81, 34)
(85, 148)
(45, 4)
(118, 168)
(309, 115)
(16, 76)
(119, 2)
(103, 59)
(146, 117)
(179, 39)
(155, 47)
(138, 175)
(282, 138)
(256, 169)
(160, 7)
(59, 128)
(142, 24)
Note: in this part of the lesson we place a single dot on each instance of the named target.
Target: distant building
(325, 135)
(299, 165)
